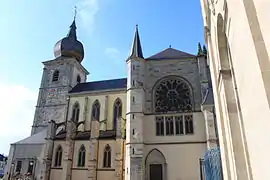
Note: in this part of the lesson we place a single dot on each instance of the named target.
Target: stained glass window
(107, 157)
(173, 95)
(76, 112)
(117, 112)
(96, 111)
(81, 157)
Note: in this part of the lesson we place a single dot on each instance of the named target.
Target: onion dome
(69, 46)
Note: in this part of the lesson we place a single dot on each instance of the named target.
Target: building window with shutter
(55, 76)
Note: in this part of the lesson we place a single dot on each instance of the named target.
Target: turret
(135, 104)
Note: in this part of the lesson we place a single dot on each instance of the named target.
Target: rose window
(173, 95)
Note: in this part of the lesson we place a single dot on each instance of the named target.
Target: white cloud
(112, 53)
(16, 114)
(87, 10)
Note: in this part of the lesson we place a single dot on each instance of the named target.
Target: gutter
(96, 92)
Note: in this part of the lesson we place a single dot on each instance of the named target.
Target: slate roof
(170, 53)
(37, 138)
(136, 51)
(100, 85)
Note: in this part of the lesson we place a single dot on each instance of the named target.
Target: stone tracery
(173, 94)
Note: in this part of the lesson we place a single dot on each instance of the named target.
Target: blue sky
(29, 29)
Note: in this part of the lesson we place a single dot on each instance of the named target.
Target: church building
(155, 124)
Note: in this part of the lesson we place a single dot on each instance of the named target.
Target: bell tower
(59, 76)
(134, 114)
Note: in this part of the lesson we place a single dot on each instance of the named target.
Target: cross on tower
(75, 13)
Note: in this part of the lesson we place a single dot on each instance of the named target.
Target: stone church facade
(155, 124)
(237, 34)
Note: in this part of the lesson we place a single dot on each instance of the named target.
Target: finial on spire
(72, 30)
(75, 12)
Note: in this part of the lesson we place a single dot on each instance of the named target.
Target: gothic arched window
(55, 76)
(96, 110)
(81, 157)
(107, 157)
(117, 111)
(173, 95)
(76, 112)
(58, 156)
(189, 124)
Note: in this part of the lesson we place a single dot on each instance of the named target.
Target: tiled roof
(100, 85)
(170, 53)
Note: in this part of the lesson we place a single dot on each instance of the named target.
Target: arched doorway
(156, 166)
(231, 115)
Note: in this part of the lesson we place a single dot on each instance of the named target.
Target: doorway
(156, 172)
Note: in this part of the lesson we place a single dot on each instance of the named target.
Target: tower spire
(72, 31)
(136, 51)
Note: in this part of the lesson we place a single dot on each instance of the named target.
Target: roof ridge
(171, 53)
(103, 80)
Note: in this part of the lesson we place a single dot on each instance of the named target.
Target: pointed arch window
(58, 157)
(55, 76)
(107, 157)
(117, 112)
(76, 112)
(173, 94)
(189, 124)
(81, 156)
(96, 111)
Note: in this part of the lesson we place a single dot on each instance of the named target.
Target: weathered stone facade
(144, 126)
(52, 100)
